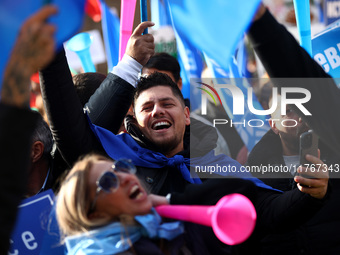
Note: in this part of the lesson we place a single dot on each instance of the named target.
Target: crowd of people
(108, 179)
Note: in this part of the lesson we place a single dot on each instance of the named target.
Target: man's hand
(317, 185)
(34, 48)
(35, 44)
(141, 47)
(158, 200)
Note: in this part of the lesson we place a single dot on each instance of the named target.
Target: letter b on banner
(326, 49)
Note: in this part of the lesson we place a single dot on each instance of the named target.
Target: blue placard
(331, 11)
(31, 224)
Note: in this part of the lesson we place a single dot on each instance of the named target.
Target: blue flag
(189, 58)
(110, 26)
(159, 14)
(191, 64)
(14, 12)
(213, 27)
(249, 126)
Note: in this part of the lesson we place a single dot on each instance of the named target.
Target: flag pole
(127, 14)
(302, 14)
(144, 13)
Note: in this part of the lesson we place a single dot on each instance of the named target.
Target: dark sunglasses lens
(125, 166)
(108, 181)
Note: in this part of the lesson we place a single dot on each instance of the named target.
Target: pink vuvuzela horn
(233, 218)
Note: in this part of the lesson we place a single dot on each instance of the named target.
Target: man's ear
(37, 151)
(273, 126)
(187, 116)
(180, 83)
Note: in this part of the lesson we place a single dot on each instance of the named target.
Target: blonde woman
(103, 209)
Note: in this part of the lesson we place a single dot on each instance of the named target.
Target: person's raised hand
(34, 48)
(141, 47)
(35, 44)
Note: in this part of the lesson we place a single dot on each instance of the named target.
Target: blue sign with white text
(331, 11)
(33, 216)
(326, 49)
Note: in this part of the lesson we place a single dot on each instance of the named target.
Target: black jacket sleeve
(109, 104)
(68, 123)
(285, 211)
(282, 57)
(16, 128)
(279, 52)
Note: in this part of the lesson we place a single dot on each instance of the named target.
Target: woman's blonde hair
(73, 202)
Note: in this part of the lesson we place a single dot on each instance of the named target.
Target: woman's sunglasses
(108, 181)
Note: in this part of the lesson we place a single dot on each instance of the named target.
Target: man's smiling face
(162, 118)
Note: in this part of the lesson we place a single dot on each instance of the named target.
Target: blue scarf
(112, 238)
(124, 146)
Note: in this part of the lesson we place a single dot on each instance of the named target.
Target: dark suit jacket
(16, 127)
